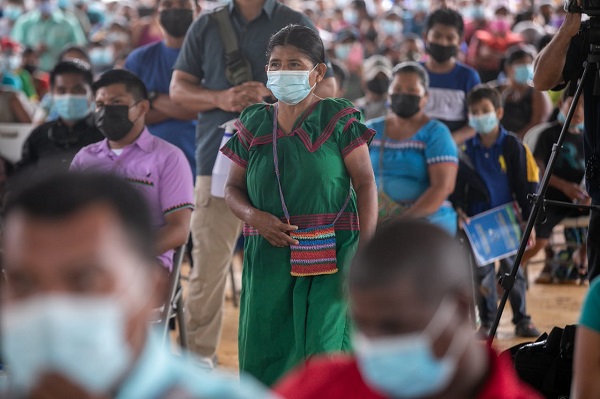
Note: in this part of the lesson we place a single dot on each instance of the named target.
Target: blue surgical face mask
(12, 12)
(523, 73)
(421, 5)
(342, 51)
(101, 56)
(562, 118)
(72, 107)
(391, 28)
(351, 16)
(82, 338)
(46, 7)
(405, 366)
(484, 124)
(289, 87)
(476, 12)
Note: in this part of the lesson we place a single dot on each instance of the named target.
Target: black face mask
(176, 21)
(378, 85)
(405, 105)
(30, 68)
(441, 53)
(113, 121)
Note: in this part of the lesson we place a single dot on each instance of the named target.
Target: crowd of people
(367, 134)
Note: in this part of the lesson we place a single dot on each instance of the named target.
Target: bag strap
(238, 69)
(278, 175)
(226, 31)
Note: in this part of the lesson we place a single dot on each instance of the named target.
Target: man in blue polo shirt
(200, 84)
(507, 172)
(153, 64)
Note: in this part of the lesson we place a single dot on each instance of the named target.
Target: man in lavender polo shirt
(158, 169)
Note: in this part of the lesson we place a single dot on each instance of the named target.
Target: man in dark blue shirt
(153, 64)
(200, 84)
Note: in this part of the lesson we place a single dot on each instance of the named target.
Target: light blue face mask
(523, 73)
(342, 51)
(101, 56)
(405, 366)
(72, 107)
(391, 28)
(484, 124)
(289, 87)
(351, 16)
(562, 118)
(476, 12)
(46, 7)
(81, 338)
(421, 5)
(12, 12)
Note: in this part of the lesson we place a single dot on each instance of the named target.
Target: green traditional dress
(284, 319)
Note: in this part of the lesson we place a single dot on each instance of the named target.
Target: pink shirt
(157, 168)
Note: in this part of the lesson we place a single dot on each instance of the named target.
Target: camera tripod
(538, 199)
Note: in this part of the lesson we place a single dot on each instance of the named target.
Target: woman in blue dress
(414, 157)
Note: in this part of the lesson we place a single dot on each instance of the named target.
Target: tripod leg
(538, 201)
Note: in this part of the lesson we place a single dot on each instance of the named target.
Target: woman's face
(290, 58)
(409, 83)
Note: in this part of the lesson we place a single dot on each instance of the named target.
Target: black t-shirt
(570, 165)
(52, 146)
(517, 113)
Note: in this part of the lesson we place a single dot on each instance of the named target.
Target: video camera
(589, 7)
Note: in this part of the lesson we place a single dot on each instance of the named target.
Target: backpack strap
(238, 69)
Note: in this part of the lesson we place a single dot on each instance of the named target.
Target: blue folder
(494, 234)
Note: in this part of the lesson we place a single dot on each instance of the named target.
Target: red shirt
(339, 377)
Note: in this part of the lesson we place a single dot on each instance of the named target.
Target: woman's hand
(273, 229)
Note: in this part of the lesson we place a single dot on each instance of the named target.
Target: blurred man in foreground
(81, 284)
(413, 337)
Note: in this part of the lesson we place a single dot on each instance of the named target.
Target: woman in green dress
(317, 175)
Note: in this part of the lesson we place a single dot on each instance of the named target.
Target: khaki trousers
(215, 231)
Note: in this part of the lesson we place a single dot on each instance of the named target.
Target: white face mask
(79, 337)
(405, 366)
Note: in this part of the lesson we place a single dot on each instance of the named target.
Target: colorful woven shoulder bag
(315, 253)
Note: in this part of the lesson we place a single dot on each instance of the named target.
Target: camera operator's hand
(239, 97)
(572, 23)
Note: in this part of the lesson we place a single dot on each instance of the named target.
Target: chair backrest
(532, 136)
(12, 138)
(173, 286)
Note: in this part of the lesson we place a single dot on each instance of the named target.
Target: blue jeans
(487, 297)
